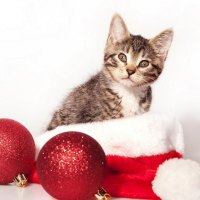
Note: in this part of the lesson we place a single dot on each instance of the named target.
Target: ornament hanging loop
(20, 180)
(102, 195)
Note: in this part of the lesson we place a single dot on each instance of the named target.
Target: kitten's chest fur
(134, 101)
(100, 99)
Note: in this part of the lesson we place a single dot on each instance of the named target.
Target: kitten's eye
(143, 63)
(122, 57)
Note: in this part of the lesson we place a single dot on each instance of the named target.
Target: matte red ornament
(71, 166)
(17, 150)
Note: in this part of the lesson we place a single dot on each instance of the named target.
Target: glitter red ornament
(71, 166)
(17, 150)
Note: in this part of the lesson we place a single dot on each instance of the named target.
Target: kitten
(122, 87)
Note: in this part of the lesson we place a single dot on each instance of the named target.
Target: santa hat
(144, 157)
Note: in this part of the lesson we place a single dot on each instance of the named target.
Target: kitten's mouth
(128, 81)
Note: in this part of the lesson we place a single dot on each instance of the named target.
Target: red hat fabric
(132, 177)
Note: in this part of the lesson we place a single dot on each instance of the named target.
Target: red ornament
(17, 150)
(71, 166)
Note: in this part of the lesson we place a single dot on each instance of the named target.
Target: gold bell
(102, 195)
(20, 180)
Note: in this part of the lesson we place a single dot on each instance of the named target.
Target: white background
(49, 46)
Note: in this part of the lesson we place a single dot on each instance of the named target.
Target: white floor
(32, 192)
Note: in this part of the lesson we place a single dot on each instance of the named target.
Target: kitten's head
(131, 59)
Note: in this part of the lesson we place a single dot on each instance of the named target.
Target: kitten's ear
(162, 42)
(118, 30)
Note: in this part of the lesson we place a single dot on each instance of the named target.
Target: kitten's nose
(130, 71)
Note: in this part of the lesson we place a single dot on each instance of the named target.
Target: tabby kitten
(122, 87)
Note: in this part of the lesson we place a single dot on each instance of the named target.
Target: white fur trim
(178, 179)
(147, 134)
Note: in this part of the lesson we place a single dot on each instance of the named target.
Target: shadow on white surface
(191, 127)
(32, 192)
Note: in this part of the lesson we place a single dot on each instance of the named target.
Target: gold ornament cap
(20, 180)
(102, 195)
